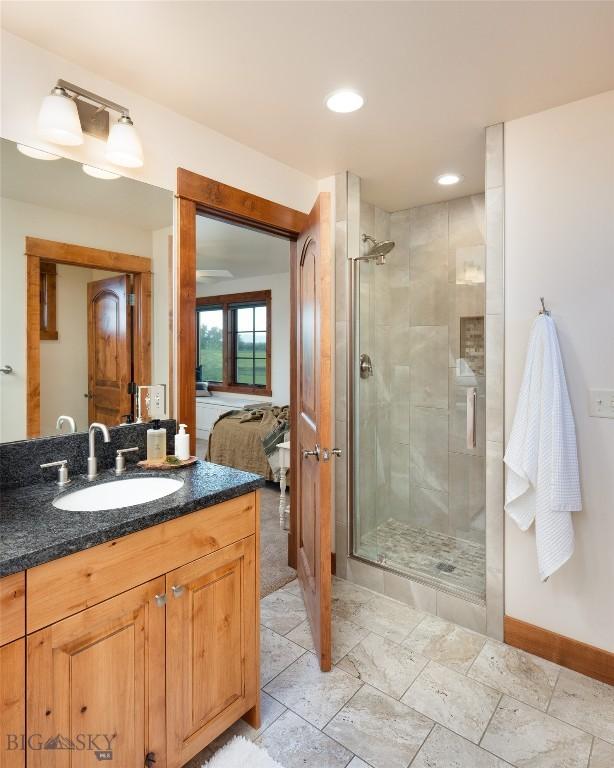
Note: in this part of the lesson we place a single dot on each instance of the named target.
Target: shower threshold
(446, 562)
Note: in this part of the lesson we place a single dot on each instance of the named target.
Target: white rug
(240, 753)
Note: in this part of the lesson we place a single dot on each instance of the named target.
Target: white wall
(559, 243)
(279, 285)
(169, 139)
(19, 220)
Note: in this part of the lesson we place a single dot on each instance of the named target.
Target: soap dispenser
(156, 442)
(182, 443)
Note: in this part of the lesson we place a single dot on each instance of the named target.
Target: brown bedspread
(235, 439)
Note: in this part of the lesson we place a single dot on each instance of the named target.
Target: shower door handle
(472, 398)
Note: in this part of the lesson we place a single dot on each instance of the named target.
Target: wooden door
(313, 430)
(109, 349)
(211, 647)
(12, 704)
(95, 682)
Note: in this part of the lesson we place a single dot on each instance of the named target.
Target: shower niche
(417, 468)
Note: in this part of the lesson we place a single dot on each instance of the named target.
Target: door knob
(160, 600)
(6, 369)
(177, 590)
(315, 452)
(337, 452)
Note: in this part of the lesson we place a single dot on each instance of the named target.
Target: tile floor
(408, 688)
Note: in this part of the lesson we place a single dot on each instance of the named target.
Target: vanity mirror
(85, 292)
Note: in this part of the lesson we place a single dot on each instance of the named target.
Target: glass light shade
(99, 173)
(58, 120)
(123, 145)
(37, 154)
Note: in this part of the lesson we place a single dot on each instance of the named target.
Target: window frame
(228, 302)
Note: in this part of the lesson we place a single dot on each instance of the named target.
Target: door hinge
(132, 388)
(132, 299)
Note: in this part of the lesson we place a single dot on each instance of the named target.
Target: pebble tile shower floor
(442, 560)
(409, 689)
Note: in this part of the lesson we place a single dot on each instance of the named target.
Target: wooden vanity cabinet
(12, 670)
(96, 683)
(148, 644)
(211, 642)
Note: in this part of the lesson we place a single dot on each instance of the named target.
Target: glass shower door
(419, 460)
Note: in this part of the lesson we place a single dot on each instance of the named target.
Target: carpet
(274, 570)
(240, 753)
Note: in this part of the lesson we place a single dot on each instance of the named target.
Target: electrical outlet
(602, 403)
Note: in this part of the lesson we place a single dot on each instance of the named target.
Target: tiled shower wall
(414, 463)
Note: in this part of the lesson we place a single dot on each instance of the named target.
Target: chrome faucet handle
(120, 461)
(62, 466)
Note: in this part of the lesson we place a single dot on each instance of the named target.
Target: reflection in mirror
(85, 295)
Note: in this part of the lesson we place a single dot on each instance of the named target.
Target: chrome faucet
(92, 462)
(72, 427)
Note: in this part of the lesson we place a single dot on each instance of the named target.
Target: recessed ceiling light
(447, 179)
(99, 173)
(37, 154)
(344, 100)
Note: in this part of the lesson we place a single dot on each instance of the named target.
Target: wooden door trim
(80, 256)
(84, 256)
(239, 206)
(199, 194)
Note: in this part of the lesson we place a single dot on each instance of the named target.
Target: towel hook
(543, 310)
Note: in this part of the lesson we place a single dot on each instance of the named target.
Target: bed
(247, 438)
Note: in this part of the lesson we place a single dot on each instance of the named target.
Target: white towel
(543, 482)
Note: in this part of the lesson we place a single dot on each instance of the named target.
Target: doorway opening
(88, 316)
(309, 236)
(242, 367)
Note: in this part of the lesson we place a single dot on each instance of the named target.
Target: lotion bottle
(182, 443)
(156, 442)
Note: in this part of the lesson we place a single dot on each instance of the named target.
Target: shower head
(378, 250)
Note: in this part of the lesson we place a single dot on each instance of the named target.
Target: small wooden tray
(163, 464)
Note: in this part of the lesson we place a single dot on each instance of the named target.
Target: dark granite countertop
(33, 531)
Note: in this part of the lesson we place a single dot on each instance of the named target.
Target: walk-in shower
(416, 385)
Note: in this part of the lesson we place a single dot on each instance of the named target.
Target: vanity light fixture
(69, 111)
(344, 100)
(448, 179)
(99, 173)
(37, 154)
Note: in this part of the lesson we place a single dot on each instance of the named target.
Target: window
(234, 341)
(47, 284)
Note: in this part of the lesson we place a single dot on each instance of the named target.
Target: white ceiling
(62, 186)
(433, 74)
(243, 252)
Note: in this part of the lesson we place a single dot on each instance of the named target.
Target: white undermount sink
(118, 494)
